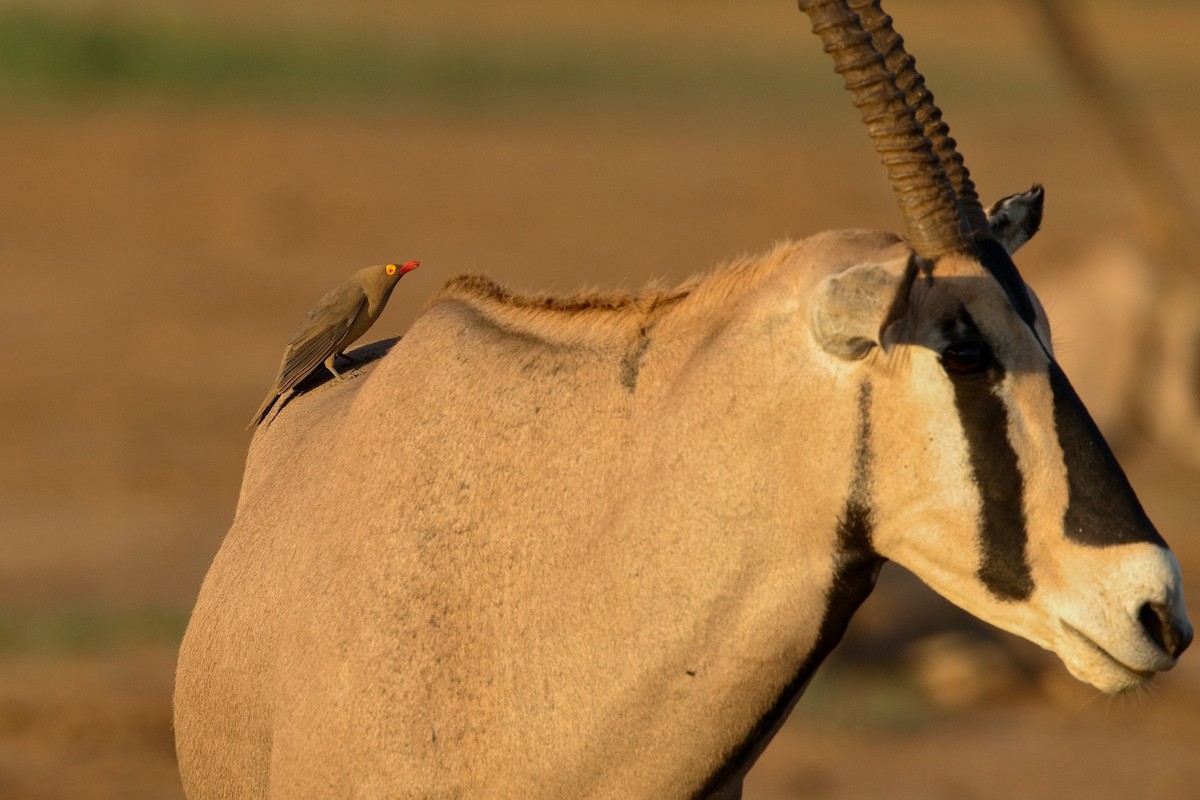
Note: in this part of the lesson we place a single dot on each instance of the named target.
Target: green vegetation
(68, 57)
(78, 630)
(82, 58)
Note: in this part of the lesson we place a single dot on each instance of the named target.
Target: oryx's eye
(967, 358)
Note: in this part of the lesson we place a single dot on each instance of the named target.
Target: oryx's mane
(591, 316)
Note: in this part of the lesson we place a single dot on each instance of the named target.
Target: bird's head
(379, 280)
(396, 270)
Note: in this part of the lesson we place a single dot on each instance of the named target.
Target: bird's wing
(340, 303)
(316, 338)
(319, 335)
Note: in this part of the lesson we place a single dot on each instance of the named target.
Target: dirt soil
(155, 253)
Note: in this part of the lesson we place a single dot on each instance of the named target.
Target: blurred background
(180, 181)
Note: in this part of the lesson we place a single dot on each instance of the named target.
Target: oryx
(595, 547)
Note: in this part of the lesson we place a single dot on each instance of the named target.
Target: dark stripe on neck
(855, 568)
(1102, 509)
(999, 263)
(1004, 564)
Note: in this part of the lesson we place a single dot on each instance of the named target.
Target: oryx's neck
(852, 570)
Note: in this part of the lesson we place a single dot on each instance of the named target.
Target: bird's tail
(263, 410)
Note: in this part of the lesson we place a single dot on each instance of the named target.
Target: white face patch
(1106, 636)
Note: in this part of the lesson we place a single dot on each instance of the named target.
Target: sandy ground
(155, 253)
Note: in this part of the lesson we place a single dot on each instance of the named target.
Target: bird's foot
(329, 362)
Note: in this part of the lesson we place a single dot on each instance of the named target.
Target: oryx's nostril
(1170, 636)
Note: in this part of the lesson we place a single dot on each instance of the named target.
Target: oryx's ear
(850, 311)
(1016, 218)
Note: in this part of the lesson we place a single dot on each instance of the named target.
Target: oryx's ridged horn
(903, 66)
(927, 200)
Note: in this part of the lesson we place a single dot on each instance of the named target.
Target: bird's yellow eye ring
(390, 269)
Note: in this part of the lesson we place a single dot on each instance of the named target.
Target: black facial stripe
(1004, 564)
(854, 572)
(1102, 509)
